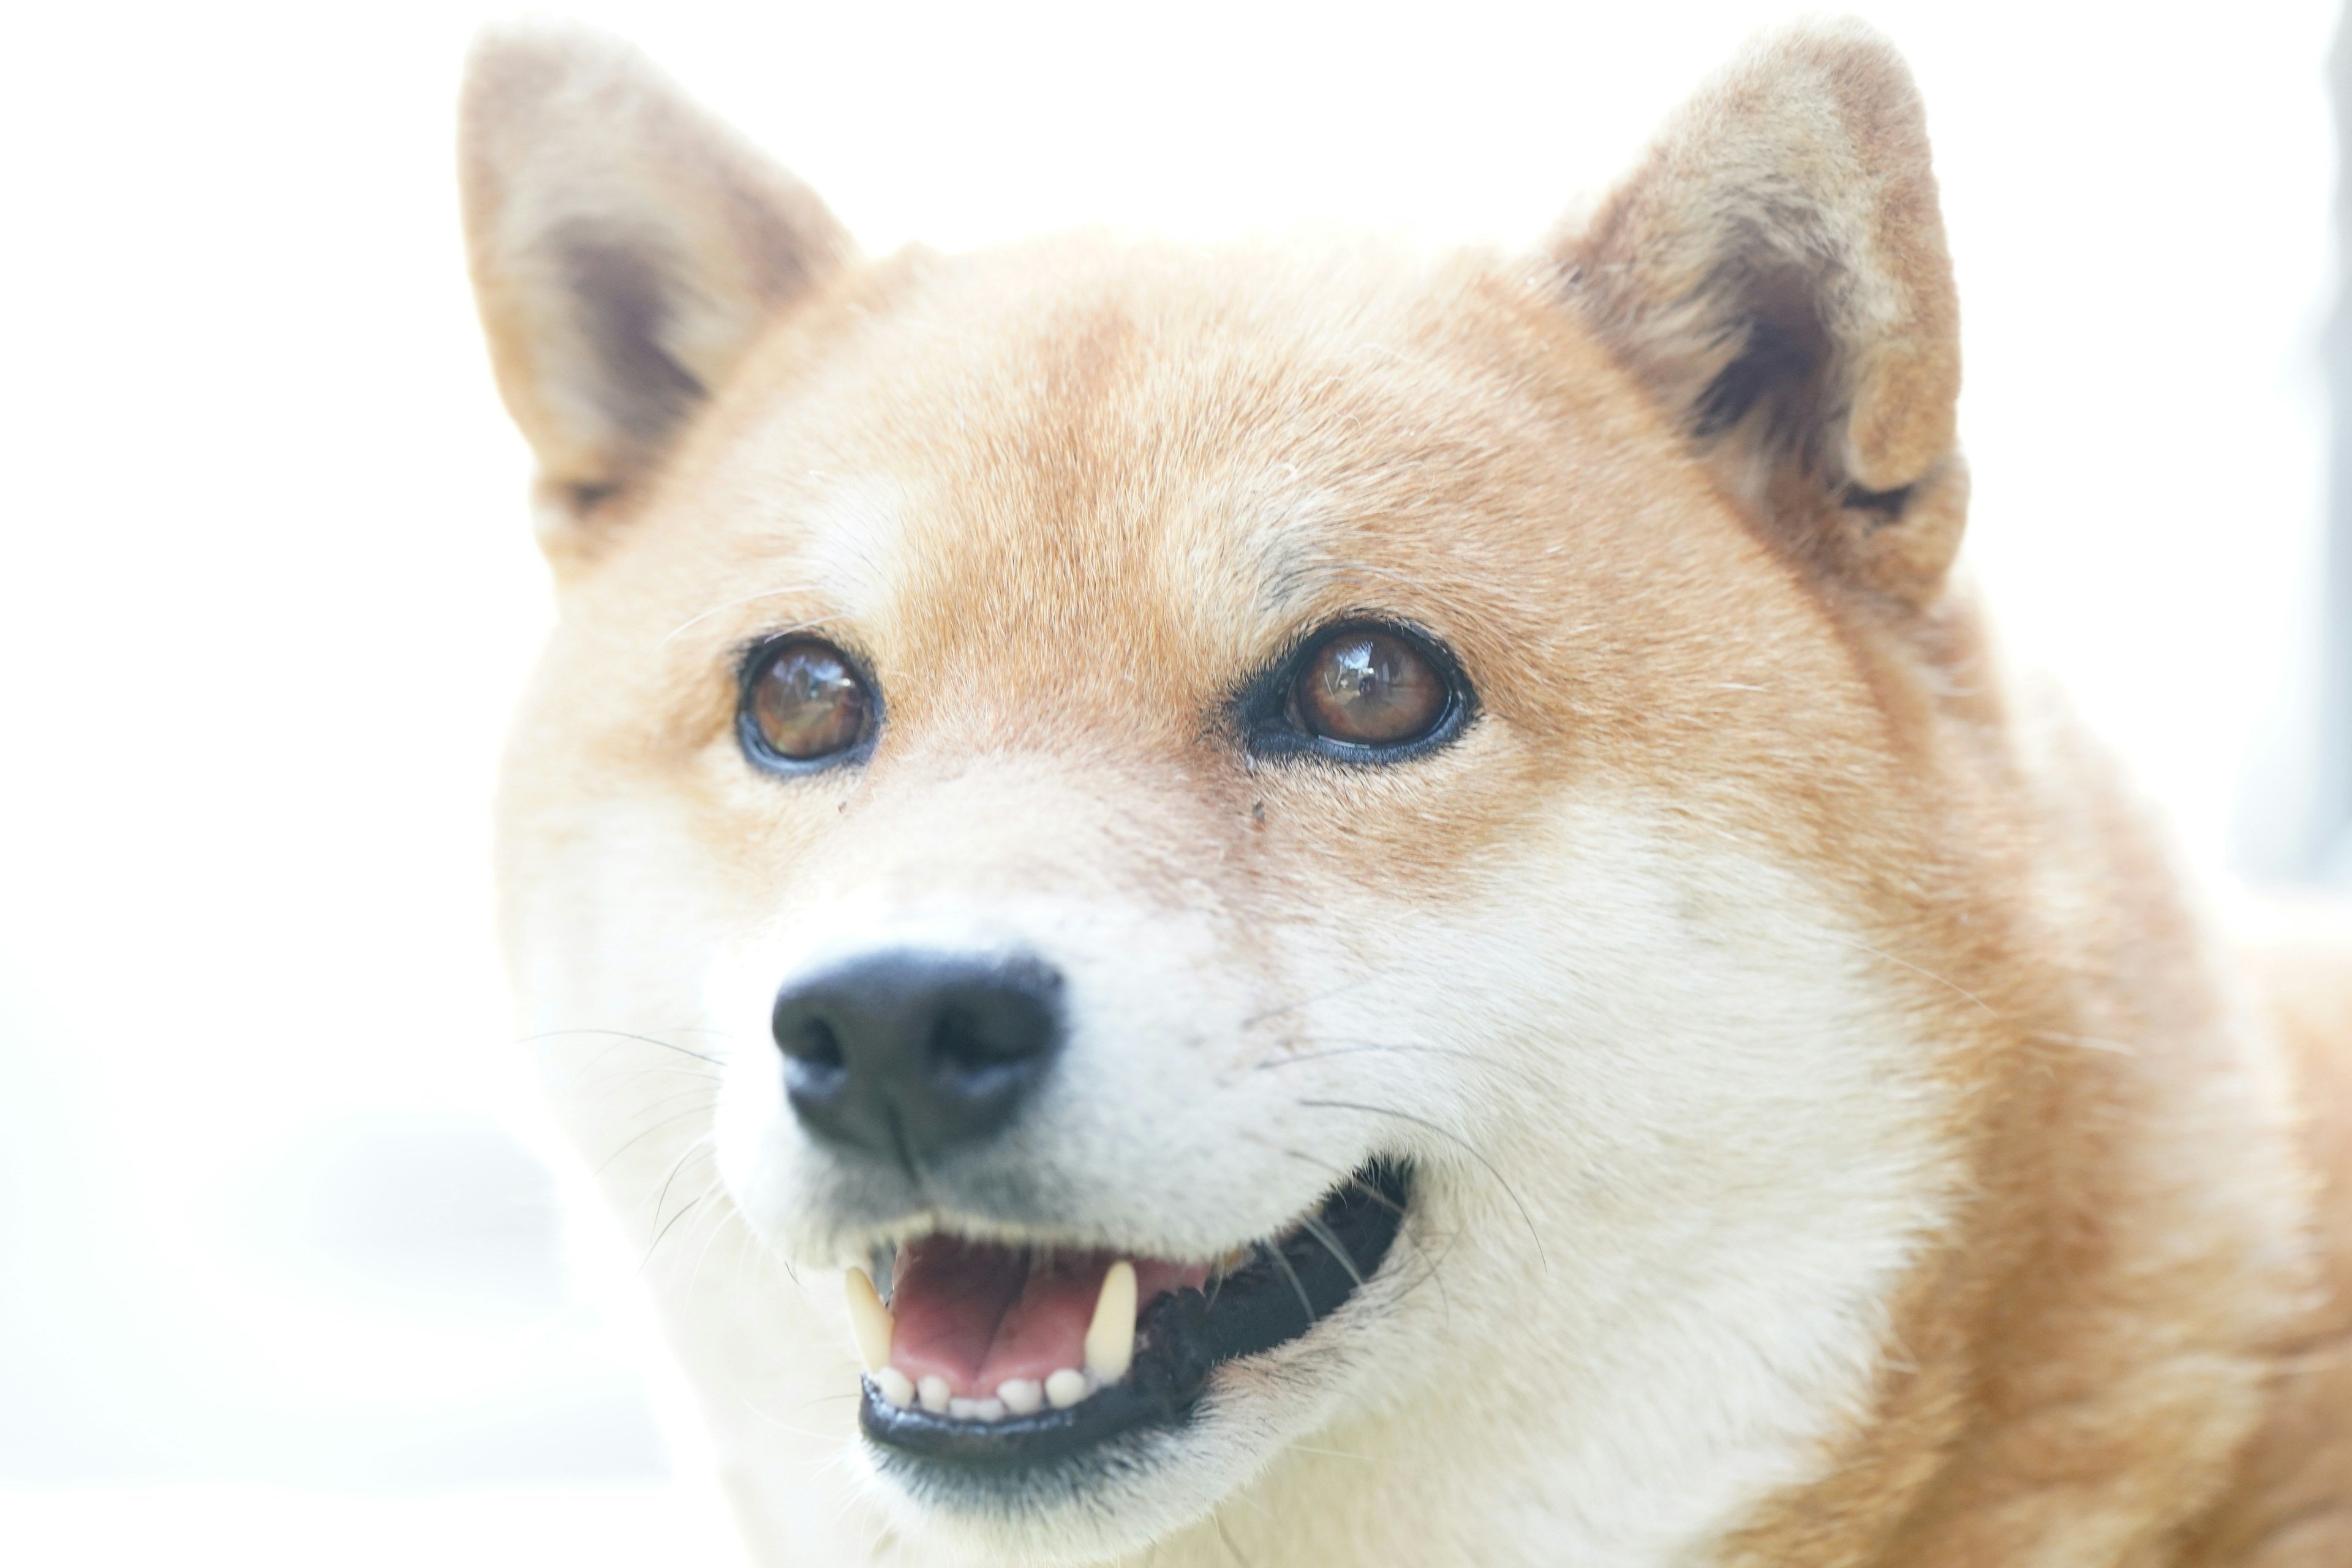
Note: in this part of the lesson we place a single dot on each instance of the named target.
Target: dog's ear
(626, 250)
(1774, 271)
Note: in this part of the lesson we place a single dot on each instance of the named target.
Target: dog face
(1292, 850)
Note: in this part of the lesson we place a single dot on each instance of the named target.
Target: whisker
(720, 1215)
(661, 1199)
(1313, 1226)
(752, 1255)
(1343, 1454)
(695, 1073)
(710, 1089)
(1275, 1253)
(622, 1034)
(686, 626)
(783, 1426)
(779, 1421)
(676, 1166)
(708, 1085)
(1373, 1193)
(1429, 1270)
(1953, 987)
(827, 1399)
(1255, 1019)
(1448, 1133)
(2087, 1042)
(1347, 1048)
(656, 1245)
(640, 1137)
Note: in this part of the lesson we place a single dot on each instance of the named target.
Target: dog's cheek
(607, 925)
(1659, 1096)
(752, 1136)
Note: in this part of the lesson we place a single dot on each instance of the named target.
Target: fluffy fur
(1840, 1141)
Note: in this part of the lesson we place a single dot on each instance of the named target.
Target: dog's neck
(2288, 1499)
(2129, 1353)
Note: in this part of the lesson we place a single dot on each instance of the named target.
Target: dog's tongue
(978, 1314)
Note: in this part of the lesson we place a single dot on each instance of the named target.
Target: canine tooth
(1022, 1395)
(894, 1385)
(870, 1321)
(1066, 1388)
(1110, 1338)
(934, 1394)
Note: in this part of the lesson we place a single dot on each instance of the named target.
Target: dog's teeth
(870, 1321)
(894, 1385)
(934, 1394)
(1110, 1338)
(988, 1410)
(1066, 1388)
(1022, 1395)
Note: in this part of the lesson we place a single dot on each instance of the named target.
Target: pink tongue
(978, 1315)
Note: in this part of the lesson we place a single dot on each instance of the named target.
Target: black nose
(907, 1053)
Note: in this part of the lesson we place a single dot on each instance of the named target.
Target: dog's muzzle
(984, 1359)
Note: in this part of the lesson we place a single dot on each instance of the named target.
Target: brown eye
(805, 702)
(1369, 688)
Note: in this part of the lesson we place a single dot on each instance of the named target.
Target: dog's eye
(804, 703)
(1365, 686)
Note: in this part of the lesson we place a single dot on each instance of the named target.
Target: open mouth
(997, 1357)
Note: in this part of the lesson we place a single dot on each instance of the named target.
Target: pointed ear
(627, 249)
(1774, 270)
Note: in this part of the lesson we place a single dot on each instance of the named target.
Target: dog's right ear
(626, 250)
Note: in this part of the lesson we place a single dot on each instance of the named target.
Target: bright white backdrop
(272, 1272)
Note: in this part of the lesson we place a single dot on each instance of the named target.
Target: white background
(275, 1278)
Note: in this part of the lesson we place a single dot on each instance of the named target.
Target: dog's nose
(907, 1053)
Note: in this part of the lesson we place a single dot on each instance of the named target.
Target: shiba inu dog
(1329, 906)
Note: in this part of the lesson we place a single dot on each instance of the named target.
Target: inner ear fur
(1774, 270)
(626, 250)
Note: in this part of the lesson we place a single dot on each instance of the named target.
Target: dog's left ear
(628, 249)
(1774, 271)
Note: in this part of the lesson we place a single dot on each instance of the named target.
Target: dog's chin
(1229, 1362)
(1132, 1491)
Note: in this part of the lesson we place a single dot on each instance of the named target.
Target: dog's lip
(1182, 1338)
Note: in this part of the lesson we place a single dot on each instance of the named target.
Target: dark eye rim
(753, 662)
(1270, 728)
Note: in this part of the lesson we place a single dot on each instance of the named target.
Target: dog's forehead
(1095, 457)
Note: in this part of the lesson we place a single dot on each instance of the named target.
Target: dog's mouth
(996, 1357)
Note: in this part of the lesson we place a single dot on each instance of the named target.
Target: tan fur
(2289, 1503)
(1065, 498)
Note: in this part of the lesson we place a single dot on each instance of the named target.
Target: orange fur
(1066, 496)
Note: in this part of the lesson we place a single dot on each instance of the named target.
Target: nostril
(957, 1041)
(811, 1039)
(973, 1039)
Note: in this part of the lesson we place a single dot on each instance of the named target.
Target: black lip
(1181, 1340)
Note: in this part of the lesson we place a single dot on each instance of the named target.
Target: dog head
(1348, 848)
